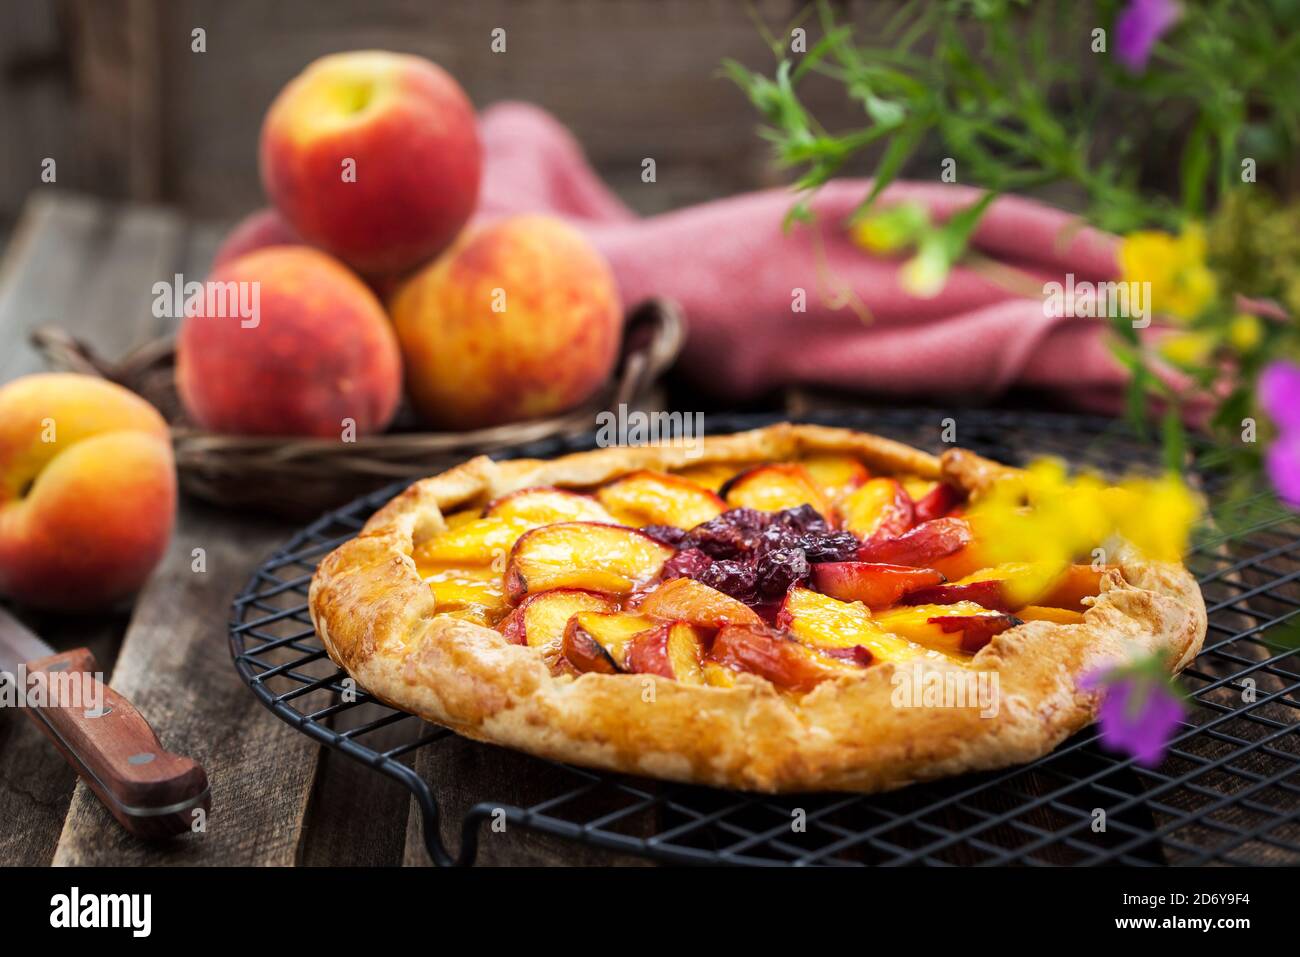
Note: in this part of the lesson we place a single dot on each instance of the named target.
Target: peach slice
(456, 589)
(657, 498)
(826, 623)
(1075, 584)
(673, 650)
(1061, 616)
(919, 545)
(963, 563)
(610, 559)
(990, 593)
(718, 676)
(464, 517)
(961, 628)
(774, 488)
(480, 542)
(835, 473)
(770, 654)
(685, 599)
(916, 487)
(936, 502)
(879, 507)
(876, 586)
(1026, 583)
(476, 615)
(598, 640)
(976, 631)
(546, 506)
(539, 621)
(712, 475)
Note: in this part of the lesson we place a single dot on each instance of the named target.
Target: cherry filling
(753, 556)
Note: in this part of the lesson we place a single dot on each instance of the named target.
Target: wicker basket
(296, 477)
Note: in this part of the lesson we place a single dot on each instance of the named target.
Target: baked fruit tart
(792, 608)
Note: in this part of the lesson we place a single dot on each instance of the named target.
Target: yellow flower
(891, 230)
(1049, 519)
(1188, 348)
(1181, 283)
(1156, 516)
(1245, 332)
(926, 273)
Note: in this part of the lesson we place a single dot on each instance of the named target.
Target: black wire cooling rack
(1228, 791)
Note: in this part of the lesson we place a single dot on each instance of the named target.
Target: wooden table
(277, 798)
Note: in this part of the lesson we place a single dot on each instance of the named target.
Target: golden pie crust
(376, 619)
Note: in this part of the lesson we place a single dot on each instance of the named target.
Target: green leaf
(957, 230)
(897, 153)
(1174, 439)
(813, 57)
(1196, 170)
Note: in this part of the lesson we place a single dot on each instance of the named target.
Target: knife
(152, 792)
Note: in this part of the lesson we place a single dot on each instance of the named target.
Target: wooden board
(90, 267)
(67, 263)
(175, 666)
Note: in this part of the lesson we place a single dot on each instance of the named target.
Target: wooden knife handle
(152, 792)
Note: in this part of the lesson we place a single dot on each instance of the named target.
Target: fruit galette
(794, 608)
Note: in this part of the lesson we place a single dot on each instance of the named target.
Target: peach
(770, 654)
(607, 559)
(318, 352)
(520, 319)
(258, 230)
(599, 641)
(373, 156)
(875, 585)
(87, 491)
(673, 650)
(774, 488)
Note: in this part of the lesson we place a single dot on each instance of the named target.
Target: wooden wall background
(112, 90)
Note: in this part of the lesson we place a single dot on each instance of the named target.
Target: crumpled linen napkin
(733, 269)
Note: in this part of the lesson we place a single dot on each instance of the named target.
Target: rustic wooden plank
(333, 832)
(174, 665)
(36, 784)
(41, 279)
(462, 773)
(73, 261)
(38, 101)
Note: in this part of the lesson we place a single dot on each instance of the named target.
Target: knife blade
(149, 790)
(18, 644)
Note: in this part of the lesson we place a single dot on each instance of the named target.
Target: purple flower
(1279, 394)
(1283, 463)
(1139, 27)
(1139, 710)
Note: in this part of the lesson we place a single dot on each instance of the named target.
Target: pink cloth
(733, 270)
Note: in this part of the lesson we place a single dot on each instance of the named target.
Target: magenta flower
(1139, 27)
(1140, 710)
(1279, 394)
(1283, 463)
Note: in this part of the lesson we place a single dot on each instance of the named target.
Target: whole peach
(374, 157)
(519, 319)
(318, 357)
(87, 491)
(266, 227)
